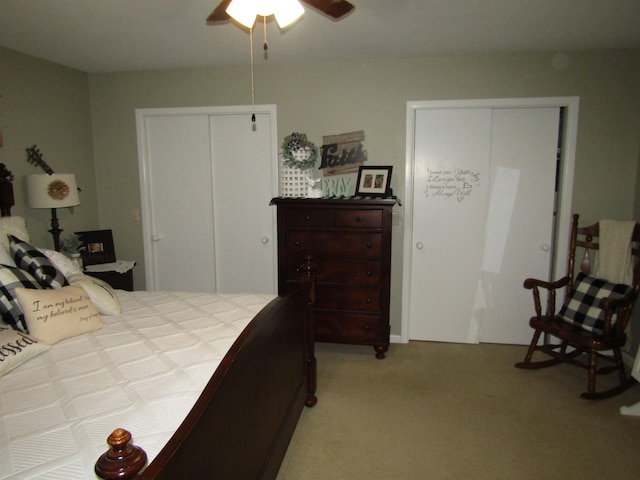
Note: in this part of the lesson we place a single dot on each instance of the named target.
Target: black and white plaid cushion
(580, 308)
(29, 258)
(10, 279)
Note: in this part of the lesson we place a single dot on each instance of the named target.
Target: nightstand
(114, 277)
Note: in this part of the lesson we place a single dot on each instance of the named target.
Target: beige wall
(329, 98)
(47, 105)
(77, 119)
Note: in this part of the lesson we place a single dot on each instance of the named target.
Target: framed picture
(374, 181)
(97, 247)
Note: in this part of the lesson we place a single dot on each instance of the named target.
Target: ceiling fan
(333, 8)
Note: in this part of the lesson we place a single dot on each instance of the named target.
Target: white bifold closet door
(207, 176)
(483, 203)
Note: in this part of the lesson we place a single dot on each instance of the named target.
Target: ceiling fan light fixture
(243, 11)
(287, 12)
(246, 11)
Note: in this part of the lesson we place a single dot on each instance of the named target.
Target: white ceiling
(121, 35)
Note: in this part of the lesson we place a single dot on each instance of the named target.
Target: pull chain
(264, 45)
(253, 94)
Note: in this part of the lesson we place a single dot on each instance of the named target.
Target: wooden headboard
(6, 191)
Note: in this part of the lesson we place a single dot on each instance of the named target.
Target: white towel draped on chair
(614, 258)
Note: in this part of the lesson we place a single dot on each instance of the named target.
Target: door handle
(264, 240)
(419, 245)
(156, 238)
(545, 247)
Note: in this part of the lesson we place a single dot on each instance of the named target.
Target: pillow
(63, 263)
(53, 315)
(5, 256)
(28, 258)
(15, 226)
(581, 308)
(100, 292)
(10, 279)
(16, 348)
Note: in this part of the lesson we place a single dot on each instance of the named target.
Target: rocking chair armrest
(530, 283)
(609, 303)
(623, 307)
(535, 284)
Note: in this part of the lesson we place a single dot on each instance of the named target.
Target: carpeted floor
(450, 411)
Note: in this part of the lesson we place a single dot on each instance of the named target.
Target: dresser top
(352, 201)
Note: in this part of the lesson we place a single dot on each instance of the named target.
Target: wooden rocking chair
(592, 321)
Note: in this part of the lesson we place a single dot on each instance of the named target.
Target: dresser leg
(380, 351)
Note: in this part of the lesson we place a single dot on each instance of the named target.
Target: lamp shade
(57, 190)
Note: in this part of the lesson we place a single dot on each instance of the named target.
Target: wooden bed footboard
(241, 425)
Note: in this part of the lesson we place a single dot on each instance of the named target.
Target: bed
(234, 423)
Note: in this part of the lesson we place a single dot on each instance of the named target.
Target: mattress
(142, 372)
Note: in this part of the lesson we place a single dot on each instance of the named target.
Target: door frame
(565, 184)
(144, 170)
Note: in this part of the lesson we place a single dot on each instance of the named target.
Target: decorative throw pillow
(64, 264)
(16, 348)
(53, 315)
(37, 264)
(5, 256)
(100, 292)
(581, 308)
(16, 226)
(10, 279)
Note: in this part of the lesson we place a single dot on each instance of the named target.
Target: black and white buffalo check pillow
(29, 258)
(10, 279)
(581, 308)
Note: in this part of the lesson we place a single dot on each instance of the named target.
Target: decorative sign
(339, 186)
(342, 153)
(457, 183)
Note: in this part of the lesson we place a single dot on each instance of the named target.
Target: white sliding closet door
(207, 175)
(244, 182)
(482, 180)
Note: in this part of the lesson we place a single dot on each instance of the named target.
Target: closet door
(207, 175)
(481, 219)
(178, 212)
(244, 182)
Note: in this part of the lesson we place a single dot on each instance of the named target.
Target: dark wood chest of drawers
(349, 241)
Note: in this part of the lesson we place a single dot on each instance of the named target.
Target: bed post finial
(122, 461)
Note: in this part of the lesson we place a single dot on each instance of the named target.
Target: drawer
(359, 218)
(303, 217)
(333, 326)
(341, 297)
(338, 271)
(352, 244)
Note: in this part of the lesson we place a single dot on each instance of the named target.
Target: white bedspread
(142, 372)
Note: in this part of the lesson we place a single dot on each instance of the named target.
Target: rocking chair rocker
(592, 320)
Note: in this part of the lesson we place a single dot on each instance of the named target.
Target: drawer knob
(357, 219)
(368, 300)
(367, 328)
(307, 217)
(369, 245)
(369, 273)
(297, 243)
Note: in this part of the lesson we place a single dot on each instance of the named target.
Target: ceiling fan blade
(334, 8)
(219, 15)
